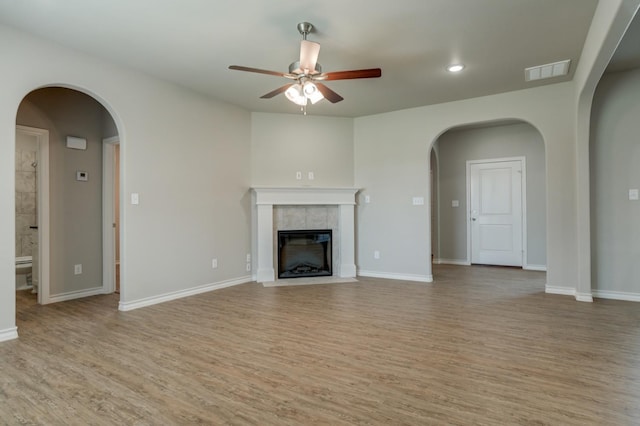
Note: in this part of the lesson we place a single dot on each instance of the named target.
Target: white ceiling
(192, 42)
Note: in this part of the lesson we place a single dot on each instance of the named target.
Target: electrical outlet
(77, 269)
(367, 199)
(214, 263)
(376, 254)
(311, 176)
(298, 175)
(248, 267)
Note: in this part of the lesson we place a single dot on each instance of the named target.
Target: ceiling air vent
(555, 69)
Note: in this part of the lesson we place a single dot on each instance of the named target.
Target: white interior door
(496, 212)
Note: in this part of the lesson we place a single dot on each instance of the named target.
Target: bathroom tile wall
(26, 215)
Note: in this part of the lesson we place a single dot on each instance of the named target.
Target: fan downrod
(304, 28)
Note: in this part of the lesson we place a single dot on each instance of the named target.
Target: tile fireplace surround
(268, 197)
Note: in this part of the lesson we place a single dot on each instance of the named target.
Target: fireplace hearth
(304, 253)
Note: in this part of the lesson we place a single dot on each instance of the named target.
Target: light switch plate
(455, 203)
(633, 194)
(418, 201)
(135, 198)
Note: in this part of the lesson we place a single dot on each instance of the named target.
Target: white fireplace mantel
(267, 197)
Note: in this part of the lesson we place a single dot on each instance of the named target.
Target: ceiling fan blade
(329, 94)
(276, 92)
(351, 74)
(260, 71)
(309, 51)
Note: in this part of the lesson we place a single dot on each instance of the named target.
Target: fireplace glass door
(304, 253)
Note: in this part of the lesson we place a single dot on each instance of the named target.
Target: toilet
(24, 273)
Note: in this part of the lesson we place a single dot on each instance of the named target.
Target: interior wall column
(609, 24)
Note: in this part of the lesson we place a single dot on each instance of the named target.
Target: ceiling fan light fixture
(295, 94)
(309, 88)
(315, 97)
(311, 92)
(306, 71)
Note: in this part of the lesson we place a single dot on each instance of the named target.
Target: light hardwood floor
(481, 345)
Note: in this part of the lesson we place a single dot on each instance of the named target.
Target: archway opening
(66, 250)
(489, 147)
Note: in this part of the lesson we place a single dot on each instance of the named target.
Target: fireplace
(339, 205)
(304, 253)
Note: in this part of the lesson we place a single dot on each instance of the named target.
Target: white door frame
(108, 214)
(44, 237)
(522, 160)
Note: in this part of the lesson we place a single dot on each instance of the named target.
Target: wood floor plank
(481, 345)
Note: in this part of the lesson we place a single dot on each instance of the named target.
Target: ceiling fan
(307, 74)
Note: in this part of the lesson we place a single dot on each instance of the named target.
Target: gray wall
(75, 207)
(283, 144)
(392, 166)
(187, 155)
(455, 148)
(615, 160)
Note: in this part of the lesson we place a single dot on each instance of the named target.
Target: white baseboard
(153, 300)
(467, 263)
(24, 287)
(452, 262)
(8, 334)
(566, 291)
(588, 297)
(542, 268)
(584, 297)
(54, 298)
(616, 295)
(394, 276)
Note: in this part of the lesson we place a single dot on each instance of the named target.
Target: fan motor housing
(294, 68)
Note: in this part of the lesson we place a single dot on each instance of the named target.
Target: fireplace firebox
(304, 253)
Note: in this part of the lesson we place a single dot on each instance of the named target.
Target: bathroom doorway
(32, 211)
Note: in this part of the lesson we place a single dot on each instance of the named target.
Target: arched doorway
(76, 124)
(461, 146)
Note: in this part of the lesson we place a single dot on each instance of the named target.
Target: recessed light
(455, 68)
